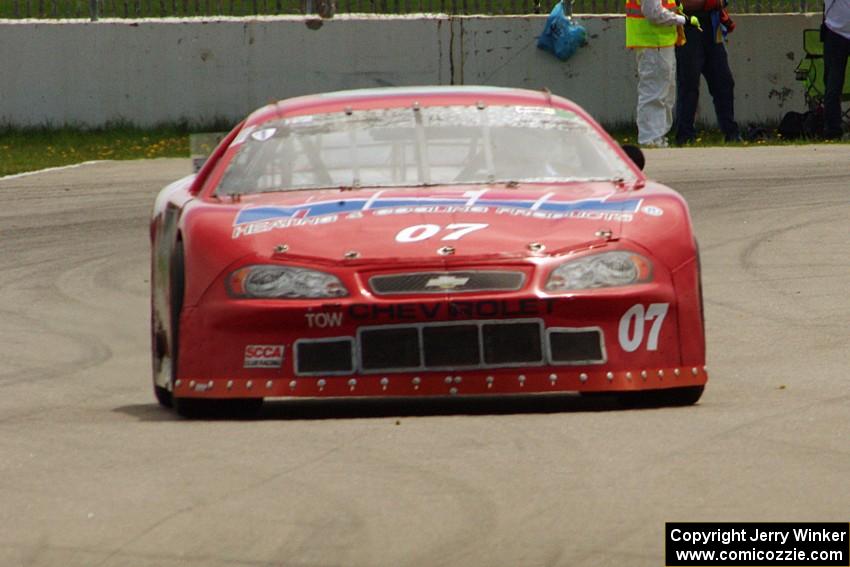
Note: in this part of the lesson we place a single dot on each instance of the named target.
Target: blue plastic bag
(561, 36)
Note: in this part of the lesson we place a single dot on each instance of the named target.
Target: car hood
(440, 224)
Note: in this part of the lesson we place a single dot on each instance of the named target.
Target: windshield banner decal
(340, 206)
(256, 220)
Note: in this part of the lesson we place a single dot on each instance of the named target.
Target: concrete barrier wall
(152, 71)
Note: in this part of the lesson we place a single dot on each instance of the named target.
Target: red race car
(427, 241)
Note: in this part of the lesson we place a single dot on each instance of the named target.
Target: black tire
(686, 396)
(203, 408)
(164, 345)
(163, 396)
(178, 288)
(176, 291)
(160, 347)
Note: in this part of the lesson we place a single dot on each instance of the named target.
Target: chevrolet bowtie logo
(447, 282)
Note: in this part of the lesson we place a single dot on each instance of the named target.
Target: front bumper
(515, 381)
(642, 348)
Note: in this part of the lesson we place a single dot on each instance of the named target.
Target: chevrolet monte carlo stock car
(429, 241)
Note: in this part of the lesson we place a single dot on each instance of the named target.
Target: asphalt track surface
(93, 473)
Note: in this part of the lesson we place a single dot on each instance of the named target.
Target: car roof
(388, 97)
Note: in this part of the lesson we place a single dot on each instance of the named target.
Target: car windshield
(400, 147)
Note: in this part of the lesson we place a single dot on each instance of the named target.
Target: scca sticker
(263, 356)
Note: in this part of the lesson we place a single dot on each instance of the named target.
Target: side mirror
(635, 154)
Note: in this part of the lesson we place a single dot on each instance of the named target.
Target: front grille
(443, 346)
(324, 356)
(446, 282)
(389, 348)
(433, 346)
(511, 344)
(451, 346)
(576, 346)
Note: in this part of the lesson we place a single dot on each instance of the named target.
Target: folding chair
(810, 72)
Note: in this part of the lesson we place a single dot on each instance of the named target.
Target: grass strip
(33, 149)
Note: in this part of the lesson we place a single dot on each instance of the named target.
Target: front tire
(160, 351)
(176, 291)
(163, 396)
(203, 408)
(670, 397)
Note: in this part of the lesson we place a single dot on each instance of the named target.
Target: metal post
(93, 10)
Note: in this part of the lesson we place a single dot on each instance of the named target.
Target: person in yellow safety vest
(652, 33)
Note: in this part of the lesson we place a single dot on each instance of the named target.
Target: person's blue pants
(701, 55)
(835, 51)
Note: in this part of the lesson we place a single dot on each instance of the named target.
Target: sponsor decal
(263, 356)
(535, 110)
(452, 310)
(255, 220)
(299, 120)
(323, 320)
(264, 134)
(652, 211)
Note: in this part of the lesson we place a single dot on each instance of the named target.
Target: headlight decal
(607, 269)
(269, 281)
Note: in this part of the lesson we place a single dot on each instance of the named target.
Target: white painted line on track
(49, 169)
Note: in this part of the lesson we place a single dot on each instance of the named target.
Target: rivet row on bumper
(503, 382)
